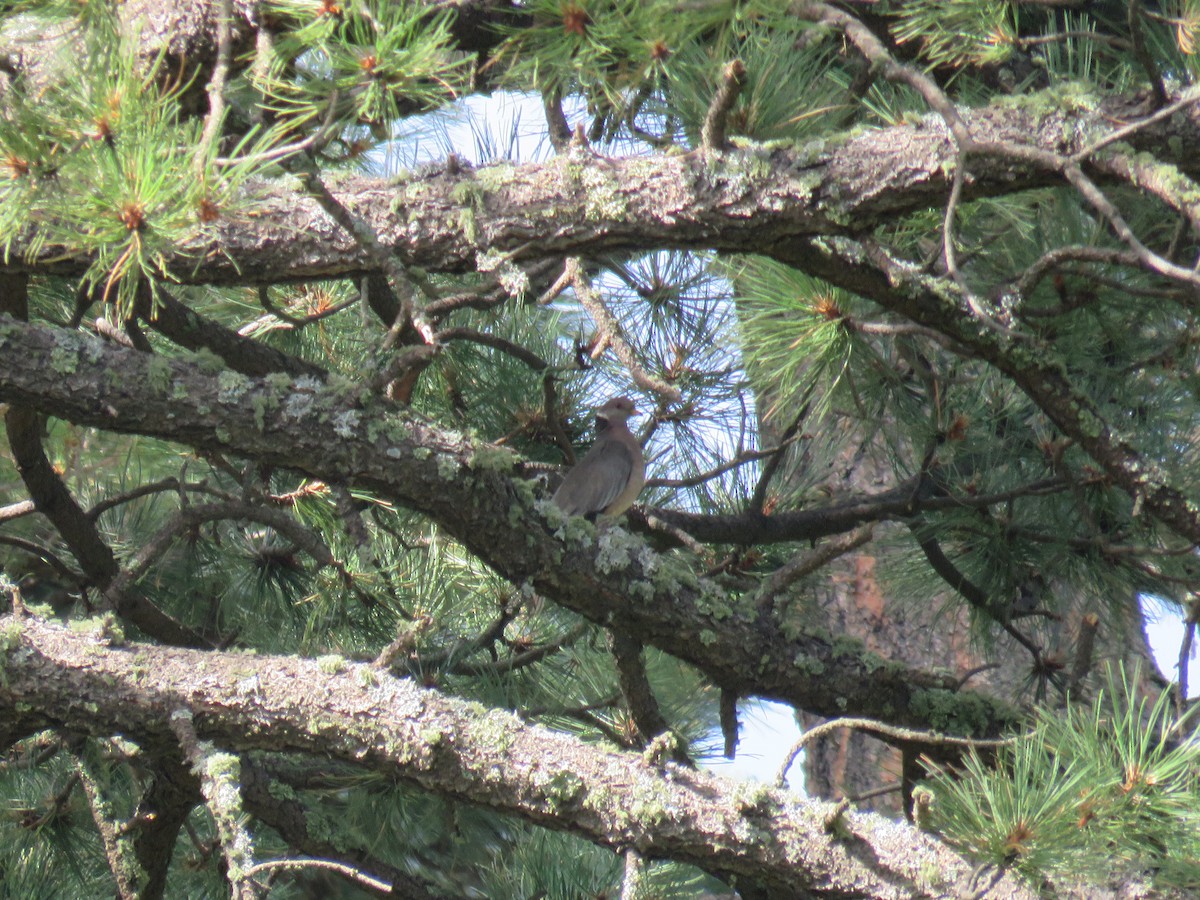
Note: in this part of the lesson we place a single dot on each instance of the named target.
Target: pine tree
(304, 306)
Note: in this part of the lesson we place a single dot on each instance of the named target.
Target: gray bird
(609, 478)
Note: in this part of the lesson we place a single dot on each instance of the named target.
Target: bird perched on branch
(608, 479)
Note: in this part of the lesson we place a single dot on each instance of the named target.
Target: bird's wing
(597, 480)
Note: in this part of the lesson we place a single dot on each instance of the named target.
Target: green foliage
(1107, 788)
(105, 156)
(359, 62)
(772, 56)
(975, 31)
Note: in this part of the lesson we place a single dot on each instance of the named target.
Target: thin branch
(799, 567)
(967, 589)
(183, 326)
(635, 688)
(1133, 17)
(729, 721)
(560, 284)
(280, 520)
(165, 485)
(558, 130)
(77, 581)
(610, 330)
(216, 88)
(733, 79)
(631, 880)
(524, 658)
(553, 419)
(17, 510)
(1053, 259)
(516, 351)
(1149, 259)
(758, 500)
(366, 238)
(277, 318)
(1084, 648)
(868, 44)
(1188, 97)
(951, 258)
(219, 783)
(871, 726)
(1185, 650)
(126, 869)
(350, 873)
(467, 646)
(746, 456)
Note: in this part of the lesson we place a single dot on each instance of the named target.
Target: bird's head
(615, 412)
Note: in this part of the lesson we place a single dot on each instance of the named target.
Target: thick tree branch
(335, 432)
(755, 199)
(445, 746)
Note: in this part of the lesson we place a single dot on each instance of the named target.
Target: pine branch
(399, 730)
(469, 490)
(54, 500)
(537, 211)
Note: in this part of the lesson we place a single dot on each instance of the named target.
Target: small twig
(656, 524)
(168, 484)
(746, 456)
(1058, 37)
(799, 567)
(280, 520)
(516, 351)
(216, 87)
(972, 672)
(17, 510)
(733, 79)
(758, 499)
(892, 787)
(967, 589)
(1053, 259)
(833, 819)
(467, 646)
(1149, 259)
(52, 559)
(347, 871)
(289, 321)
(1189, 97)
(312, 144)
(729, 721)
(560, 284)
(1084, 648)
(610, 330)
(14, 593)
(873, 49)
(523, 659)
(558, 130)
(1185, 650)
(951, 258)
(1142, 54)
(871, 726)
(554, 420)
(402, 370)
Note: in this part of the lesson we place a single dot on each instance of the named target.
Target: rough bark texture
(334, 432)
(353, 713)
(756, 199)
